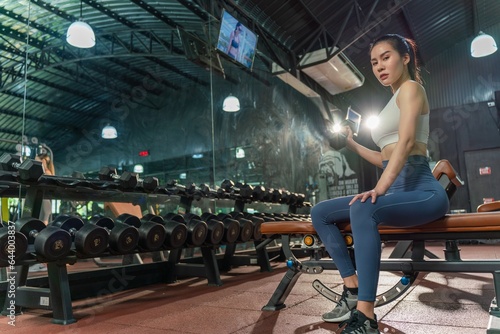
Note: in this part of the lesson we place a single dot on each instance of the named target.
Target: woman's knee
(362, 213)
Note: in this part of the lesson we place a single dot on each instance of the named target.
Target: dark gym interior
(158, 228)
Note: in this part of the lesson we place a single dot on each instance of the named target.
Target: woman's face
(387, 64)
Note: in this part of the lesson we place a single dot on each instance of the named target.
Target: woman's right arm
(373, 157)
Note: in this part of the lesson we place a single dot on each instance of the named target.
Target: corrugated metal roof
(70, 88)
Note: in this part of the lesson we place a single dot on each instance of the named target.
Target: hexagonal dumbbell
(28, 170)
(90, 240)
(128, 180)
(51, 242)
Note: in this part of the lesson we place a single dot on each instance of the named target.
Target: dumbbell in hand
(50, 242)
(29, 170)
(151, 234)
(123, 239)
(90, 240)
(128, 180)
(11, 249)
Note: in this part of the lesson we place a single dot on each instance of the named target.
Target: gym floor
(439, 303)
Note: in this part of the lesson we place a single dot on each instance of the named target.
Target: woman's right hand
(347, 131)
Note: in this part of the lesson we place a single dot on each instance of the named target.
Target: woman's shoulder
(410, 86)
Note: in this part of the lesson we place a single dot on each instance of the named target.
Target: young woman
(406, 194)
(234, 42)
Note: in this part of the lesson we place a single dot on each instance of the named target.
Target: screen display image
(354, 119)
(236, 41)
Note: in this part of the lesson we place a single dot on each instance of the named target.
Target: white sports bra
(387, 131)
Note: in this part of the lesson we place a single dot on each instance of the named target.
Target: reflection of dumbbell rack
(243, 194)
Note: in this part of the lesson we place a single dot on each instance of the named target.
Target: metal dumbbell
(197, 229)
(231, 227)
(50, 242)
(90, 240)
(128, 180)
(151, 234)
(246, 226)
(28, 170)
(176, 233)
(13, 244)
(215, 231)
(123, 239)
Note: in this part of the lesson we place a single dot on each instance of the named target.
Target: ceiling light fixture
(138, 168)
(483, 44)
(109, 132)
(231, 104)
(80, 34)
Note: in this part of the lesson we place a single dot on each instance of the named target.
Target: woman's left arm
(411, 101)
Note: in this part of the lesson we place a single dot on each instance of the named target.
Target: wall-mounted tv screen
(237, 41)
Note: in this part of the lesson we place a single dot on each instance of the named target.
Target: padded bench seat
(456, 223)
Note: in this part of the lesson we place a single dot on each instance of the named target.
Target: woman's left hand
(365, 195)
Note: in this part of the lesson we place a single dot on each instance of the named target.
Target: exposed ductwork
(337, 74)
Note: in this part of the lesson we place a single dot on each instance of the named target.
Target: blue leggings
(415, 198)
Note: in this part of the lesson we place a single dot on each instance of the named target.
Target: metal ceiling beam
(132, 25)
(364, 30)
(71, 18)
(156, 13)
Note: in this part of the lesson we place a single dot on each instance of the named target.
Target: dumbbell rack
(58, 295)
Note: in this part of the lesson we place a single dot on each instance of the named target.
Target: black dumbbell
(215, 231)
(13, 244)
(123, 239)
(336, 139)
(28, 170)
(197, 229)
(176, 233)
(256, 221)
(189, 191)
(128, 180)
(238, 190)
(246, 228)
(50, 242)
(261, 193)
(207, 191)
(90, 240)
(151, 234)
(231, 227)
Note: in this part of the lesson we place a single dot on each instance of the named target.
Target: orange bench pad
(466, 222)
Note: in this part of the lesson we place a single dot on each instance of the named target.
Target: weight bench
(408, 257)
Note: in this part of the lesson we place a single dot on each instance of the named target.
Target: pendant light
(80, 34)
(483, 44)
(231, 104)
(109, 132)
